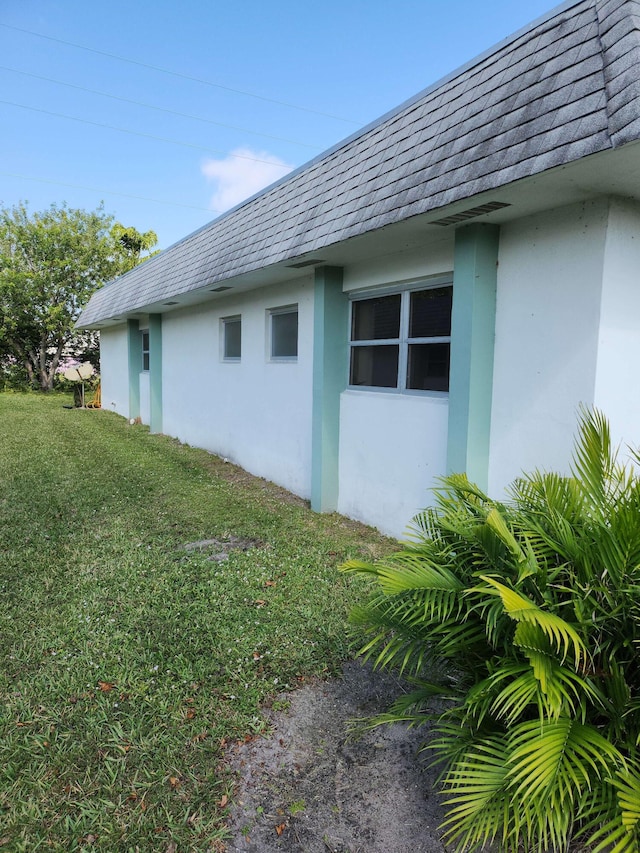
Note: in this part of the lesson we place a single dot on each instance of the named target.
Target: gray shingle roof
(563, 88)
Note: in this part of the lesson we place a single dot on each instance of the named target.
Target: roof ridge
(619, 34)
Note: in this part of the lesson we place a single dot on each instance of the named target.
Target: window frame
(278, 312)
(224, 323)
(145, 350)
(403, 341)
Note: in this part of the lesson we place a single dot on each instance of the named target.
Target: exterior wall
(547, 320)
(617, 382)
(114, 370)
(392, 447)
(401, 266)
(256, 412)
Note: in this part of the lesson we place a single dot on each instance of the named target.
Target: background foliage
(50, 264)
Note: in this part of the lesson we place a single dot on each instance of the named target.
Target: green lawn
(127, 662)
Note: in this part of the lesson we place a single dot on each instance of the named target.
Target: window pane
(377, 366)
(284, 335)
(376, 319)
(430, 314)
(232, 338)
(428, 367)
(145, 350)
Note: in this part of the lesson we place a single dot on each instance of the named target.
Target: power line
(144, 135)
(107, 192)
(179, 74)
(153, 107)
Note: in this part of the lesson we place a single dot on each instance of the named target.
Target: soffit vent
(471, 213)
(312, 262)
(220, 289)
(171, 303)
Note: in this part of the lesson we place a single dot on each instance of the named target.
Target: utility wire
(179, 74)
(145, 135)
(107, 192)
(153, 107)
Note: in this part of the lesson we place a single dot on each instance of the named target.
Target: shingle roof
(565, 87)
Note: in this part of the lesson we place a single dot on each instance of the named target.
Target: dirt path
(308, 788)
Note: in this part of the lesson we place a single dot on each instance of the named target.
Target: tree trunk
(50, 372)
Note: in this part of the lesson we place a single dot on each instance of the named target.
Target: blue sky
(258, 88)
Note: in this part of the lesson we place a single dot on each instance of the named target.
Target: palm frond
(475, 796)
(555, 761)
(622, 832)
(522, 609)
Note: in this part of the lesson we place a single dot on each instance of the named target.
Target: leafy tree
(523, 620)
(133, 243)
(50, 264)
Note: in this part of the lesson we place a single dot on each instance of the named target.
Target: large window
(231, 338)
(145, 350)
(402, 340)
(284, 333)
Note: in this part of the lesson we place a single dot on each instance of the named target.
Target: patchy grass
(127, 662)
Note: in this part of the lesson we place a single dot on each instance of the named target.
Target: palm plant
(523, 620)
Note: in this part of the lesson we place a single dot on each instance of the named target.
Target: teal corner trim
(134, 346)
(155, 372)
(330, 356)
(475, 273)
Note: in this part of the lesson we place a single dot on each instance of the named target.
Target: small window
(402, 340)
(232, 338)
(284, 332)
(145, 350)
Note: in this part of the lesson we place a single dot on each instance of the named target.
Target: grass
(128, 663)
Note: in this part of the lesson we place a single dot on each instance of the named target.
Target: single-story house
(438, 292)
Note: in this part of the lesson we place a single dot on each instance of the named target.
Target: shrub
(523, 619)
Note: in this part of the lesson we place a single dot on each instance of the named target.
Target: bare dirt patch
(218, 550)
(310, 788)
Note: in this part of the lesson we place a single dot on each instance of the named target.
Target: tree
(50, 264)
(133, 243)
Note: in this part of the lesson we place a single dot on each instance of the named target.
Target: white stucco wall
(255, 412)
(617, 382)
(392, 447)
(114, 370)
(547, 330)
(406, 265)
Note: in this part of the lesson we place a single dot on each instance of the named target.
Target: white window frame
(276, 312)
(236, 318)
(403, 341)
(145, 350)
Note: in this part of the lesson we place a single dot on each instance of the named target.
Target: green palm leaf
(475, 796)
(522, 609)
(555, 761)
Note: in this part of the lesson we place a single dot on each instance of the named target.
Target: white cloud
(237, 177)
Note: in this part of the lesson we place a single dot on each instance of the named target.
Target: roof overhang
(612, 172)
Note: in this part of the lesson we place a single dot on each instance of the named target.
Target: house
(440, 291)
